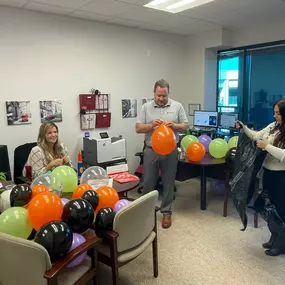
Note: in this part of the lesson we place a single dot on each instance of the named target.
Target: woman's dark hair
(279, 140)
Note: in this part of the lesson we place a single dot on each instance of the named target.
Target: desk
(124, 188)
(207, 167)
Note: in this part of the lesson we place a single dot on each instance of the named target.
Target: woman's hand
(261, 144)
(66, 159)
(53, 163)
(239, 124)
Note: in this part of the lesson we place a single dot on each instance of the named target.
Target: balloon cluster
(196, 148)
(60, 222)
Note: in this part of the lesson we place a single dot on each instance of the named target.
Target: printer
(104, 151)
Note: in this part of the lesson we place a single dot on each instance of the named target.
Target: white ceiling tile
(123, 22)
(136, 2)
(236, 5)
(72, 4)
(107, 7)
(194, 28)
(89, 16)
(179, 31)
(48, 8)
(173, 20)
(204, 11)
(13, 3)
(148, 26)
(143, 14)
(266, 11)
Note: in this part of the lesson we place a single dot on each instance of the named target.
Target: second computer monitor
(227, 120)
(206, 119)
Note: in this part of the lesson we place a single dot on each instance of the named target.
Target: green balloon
(218, 148)
(67, 177)
(187, 140)
(233, 141)
(14, 221)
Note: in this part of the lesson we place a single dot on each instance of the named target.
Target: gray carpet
(203, 247)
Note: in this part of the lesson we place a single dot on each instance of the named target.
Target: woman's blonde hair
(42, 143)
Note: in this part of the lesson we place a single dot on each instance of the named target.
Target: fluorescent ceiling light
(176, 6)
(156, 2)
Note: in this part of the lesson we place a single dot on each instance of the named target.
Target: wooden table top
(125, 187)
(206, 161)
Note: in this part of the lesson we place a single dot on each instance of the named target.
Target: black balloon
(56, 238)
(230, 157)
(20, 195)
(92, 197)
(78, 214)
(104, 220)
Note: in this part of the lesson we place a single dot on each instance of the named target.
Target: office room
(99, 74)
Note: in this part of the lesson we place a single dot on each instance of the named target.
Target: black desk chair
(4, 162)
(21, 155)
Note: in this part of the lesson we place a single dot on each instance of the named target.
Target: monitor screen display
(206, 119)
(227, 120)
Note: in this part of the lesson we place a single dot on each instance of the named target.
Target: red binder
(103, 120)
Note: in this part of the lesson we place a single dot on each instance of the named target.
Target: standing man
(162, 110)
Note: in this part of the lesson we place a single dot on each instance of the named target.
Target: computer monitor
(227, 120)
(205, 119)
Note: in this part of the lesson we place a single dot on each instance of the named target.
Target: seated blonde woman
(49, 152)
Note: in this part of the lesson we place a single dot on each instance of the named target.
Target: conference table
(208, 167)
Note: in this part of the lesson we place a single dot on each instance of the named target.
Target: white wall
(46, 56)
(261, 33)
(201, 67)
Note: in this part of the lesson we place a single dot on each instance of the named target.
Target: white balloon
(95, 176)
(5, 202)
(51, 181)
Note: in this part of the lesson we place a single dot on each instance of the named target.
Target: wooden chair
(134, 229)
(26, 262)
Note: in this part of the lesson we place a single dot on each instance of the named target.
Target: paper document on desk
(120, 173)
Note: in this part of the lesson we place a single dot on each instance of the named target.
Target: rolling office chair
(21, 155)
(4, 162)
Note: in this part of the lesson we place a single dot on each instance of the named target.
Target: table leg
(203, 189)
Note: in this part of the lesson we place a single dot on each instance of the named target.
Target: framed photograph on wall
(51, 111)
(192, 108)
(129, 108)
(146, 100)
(18, 113)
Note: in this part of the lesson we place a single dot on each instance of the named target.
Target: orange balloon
(108, 197)
(39, 189)
(195, 152)
(43, 208)
(163, 140)
(80, 189)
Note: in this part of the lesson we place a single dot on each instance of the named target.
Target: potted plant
(2, 176)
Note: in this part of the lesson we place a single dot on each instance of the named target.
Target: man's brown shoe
(166, 222)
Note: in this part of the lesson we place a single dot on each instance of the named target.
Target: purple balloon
(219, 187)
(205, 141)
(121, 204)
(77, 241)
(64, 201)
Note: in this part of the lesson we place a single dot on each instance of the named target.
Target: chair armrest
(91, 242)
(108, 234)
